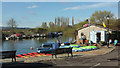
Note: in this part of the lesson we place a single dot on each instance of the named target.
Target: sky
(60, 0)
(32, 14)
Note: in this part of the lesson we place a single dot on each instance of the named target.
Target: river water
(23, 46)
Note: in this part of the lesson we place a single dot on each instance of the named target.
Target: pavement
(103, 50)
(107, 59)
(103, 57)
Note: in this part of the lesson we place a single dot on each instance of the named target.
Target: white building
(91, 32)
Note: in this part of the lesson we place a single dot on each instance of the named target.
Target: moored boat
(46, 48)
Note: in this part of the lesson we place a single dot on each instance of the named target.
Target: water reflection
(23, 46)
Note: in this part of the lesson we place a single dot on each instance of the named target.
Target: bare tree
(58, 22)
(51, 25)
(64, 21)
(44, 25)
(12, 23)
(67, 21)
(72, 21)
(55, 22)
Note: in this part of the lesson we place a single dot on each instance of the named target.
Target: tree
(118, 23)
(12, 23)
(99, 16)
(51, 24)
(80, 25)
(55, 21)
(44, 25)
(58, 23)
(72, 21)
(38, 30)
(64, 22)
(67, 21)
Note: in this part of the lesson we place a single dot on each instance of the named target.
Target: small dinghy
(46, 48)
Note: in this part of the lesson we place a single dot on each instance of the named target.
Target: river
(23, 46)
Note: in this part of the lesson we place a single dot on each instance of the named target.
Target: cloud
(88, 6)
(33, 6)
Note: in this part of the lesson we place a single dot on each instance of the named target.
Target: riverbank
(103, 50)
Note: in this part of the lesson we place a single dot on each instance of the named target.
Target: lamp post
(108, 30)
